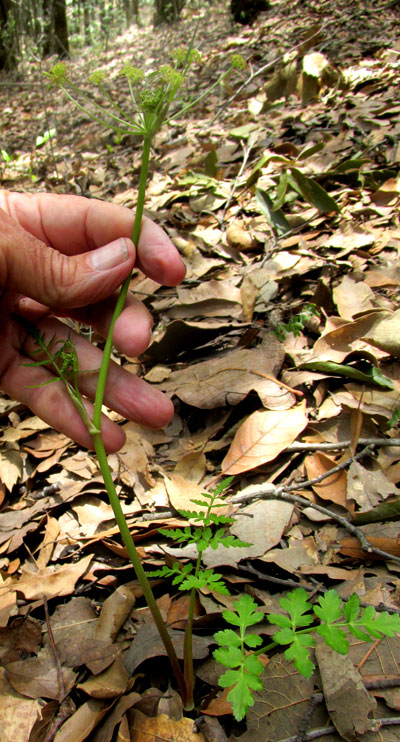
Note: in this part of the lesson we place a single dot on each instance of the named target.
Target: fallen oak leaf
(262, 437)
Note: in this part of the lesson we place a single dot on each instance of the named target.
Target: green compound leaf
(299, 653)
(243, 682)
(228, 656)
(252, 640)
(205, 579)
(330, 607)
(351, 609)
(297, 604)
(227, 637)
(335, 637)
(253, 665)
(245, 615)
(279, 619)
(285, 635)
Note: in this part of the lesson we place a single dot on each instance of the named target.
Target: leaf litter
(280, 193)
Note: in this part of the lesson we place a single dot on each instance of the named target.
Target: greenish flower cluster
(238, 62)
(183, 56)
(97, 77)
(170, 76)
(134, 74)
(151, 98)
(58, 74)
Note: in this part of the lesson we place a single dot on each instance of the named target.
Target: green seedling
(296, 323)
(211, 532)
(332, 619)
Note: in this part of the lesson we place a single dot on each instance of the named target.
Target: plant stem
(188, 644)
(136, 562)
(101, 384)
(101, 453)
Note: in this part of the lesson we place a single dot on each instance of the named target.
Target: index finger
(74, 224)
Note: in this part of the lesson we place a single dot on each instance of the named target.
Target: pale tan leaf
(384, 333)
(143, 728)
(17, 713)
(352, 297)
(182, 491)
(47, 547)
(229, 378)
(52, 581)
(10, 467)
(261, 524)
(263, 436)
(8, 600)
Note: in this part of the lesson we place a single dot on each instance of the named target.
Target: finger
(28, 266)
(73, 224)
(132, 330)
(125, 393)
(53, 405)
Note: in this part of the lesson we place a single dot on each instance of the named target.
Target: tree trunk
(61, 29)
(8, 60)
(167, 11)
(246, 11)
(87, 22)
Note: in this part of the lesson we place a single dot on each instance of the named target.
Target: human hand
(49, 266)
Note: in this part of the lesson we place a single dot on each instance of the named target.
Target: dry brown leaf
(333, 488)
(352, 297)
(47, 546)
(52, 581)
(143, 728)
(351, 547)
(192, 466)
(368, 487)
(105, 731)
(8, 599)
(347, 700)
(80, 725)
(114, 612)
(262, 437)
(228, 379)
(37, 677)
(260, 524)
(110, 683)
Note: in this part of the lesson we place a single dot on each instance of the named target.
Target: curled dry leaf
(263, 436)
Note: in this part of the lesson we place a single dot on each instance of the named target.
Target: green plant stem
(101, 383)
(101, 453)
(136, 562)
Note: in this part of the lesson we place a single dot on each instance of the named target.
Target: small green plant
(297, 322)
(329, 617)
(210, 534)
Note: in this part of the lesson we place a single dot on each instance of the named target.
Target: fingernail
(110, 255)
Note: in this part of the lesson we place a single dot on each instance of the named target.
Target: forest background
(280, 350)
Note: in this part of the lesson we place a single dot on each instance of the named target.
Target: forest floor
(280, 351)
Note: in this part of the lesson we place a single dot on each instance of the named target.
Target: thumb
(29, 267)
